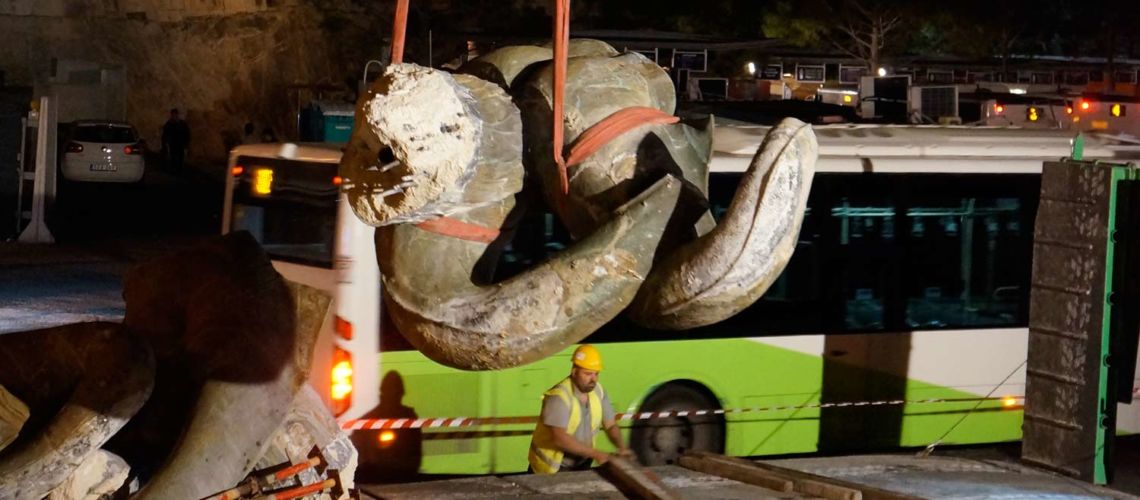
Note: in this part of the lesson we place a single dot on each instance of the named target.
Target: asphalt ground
(928, 477)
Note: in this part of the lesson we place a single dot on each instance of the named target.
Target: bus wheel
(662, 441)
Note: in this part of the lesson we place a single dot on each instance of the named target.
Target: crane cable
(399, 31)
(587, 143)
(443, 225)
(600, 133)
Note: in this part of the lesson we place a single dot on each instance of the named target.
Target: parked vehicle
(102, 151)
(909, 283)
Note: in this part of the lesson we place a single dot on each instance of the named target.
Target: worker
(572, 412)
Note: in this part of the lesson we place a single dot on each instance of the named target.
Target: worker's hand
(626, 453)
(601, 458)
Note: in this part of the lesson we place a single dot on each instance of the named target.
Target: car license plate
(103, 167)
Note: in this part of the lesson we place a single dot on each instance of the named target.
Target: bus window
(968, 260)
(291, 210)
(866, 241)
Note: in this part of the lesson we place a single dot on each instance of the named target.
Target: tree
(858, 28)
(998, 28)
(1102, 27)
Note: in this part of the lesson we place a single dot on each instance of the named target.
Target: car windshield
(104, 133)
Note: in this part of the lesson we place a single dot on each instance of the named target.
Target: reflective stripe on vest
(545, 457)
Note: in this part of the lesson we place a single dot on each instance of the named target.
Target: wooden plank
(634, 482)
(807, 484)
(867, 492)
(739, 472)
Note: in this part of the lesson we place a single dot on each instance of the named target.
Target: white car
(103, 151)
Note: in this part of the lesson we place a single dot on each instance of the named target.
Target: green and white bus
(910, 281)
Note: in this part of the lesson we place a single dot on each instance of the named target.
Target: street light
(751, 66)
(882, 71)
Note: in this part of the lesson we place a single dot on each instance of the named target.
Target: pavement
(588, 484)
(46, 285)
(101, 230)
(951, 477)
(929, 477)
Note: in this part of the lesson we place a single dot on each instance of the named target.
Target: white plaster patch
(429, 121)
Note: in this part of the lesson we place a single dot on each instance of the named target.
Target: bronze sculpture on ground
(437, 162)
(203, 382)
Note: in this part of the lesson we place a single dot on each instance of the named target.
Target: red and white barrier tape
(456, 422)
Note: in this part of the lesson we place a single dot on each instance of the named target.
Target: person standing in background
(175, 141)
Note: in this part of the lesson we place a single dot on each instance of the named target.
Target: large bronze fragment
(631, 205)
(726, 270)
(81, 383)
(233, 344)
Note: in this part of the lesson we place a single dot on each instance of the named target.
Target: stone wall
(224, 62)
(153, 10)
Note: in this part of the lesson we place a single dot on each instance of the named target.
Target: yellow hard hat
(587, 356)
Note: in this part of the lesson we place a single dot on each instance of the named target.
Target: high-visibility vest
(545, 457)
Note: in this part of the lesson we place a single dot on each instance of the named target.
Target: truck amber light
(341, 381)
(386, 438)
(263, 181)
(999, 109)
(1085, 105)
(338, 180)
(1009, 401)
(237, 170)
(343, 328)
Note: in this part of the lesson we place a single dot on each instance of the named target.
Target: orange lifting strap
(602, 132)
(612, 126)
(456, 228)
(446, 226)
(588, 143)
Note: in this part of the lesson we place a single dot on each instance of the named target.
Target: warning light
(1069, 110)
(263, 181)
(1117, 110)
(1076, 119)
(343, 328)
(338, 180)
(846, 98)
(341, 383)
(237, 170)
(1009, 401)
(386, 438)
(1031, 114)
(1085, 105)
(999, 109)
(342, 375)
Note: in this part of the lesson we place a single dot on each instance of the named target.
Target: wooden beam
(633, 481)
(739, 472)
(867, 492)
(803, 482)
(807, 484)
